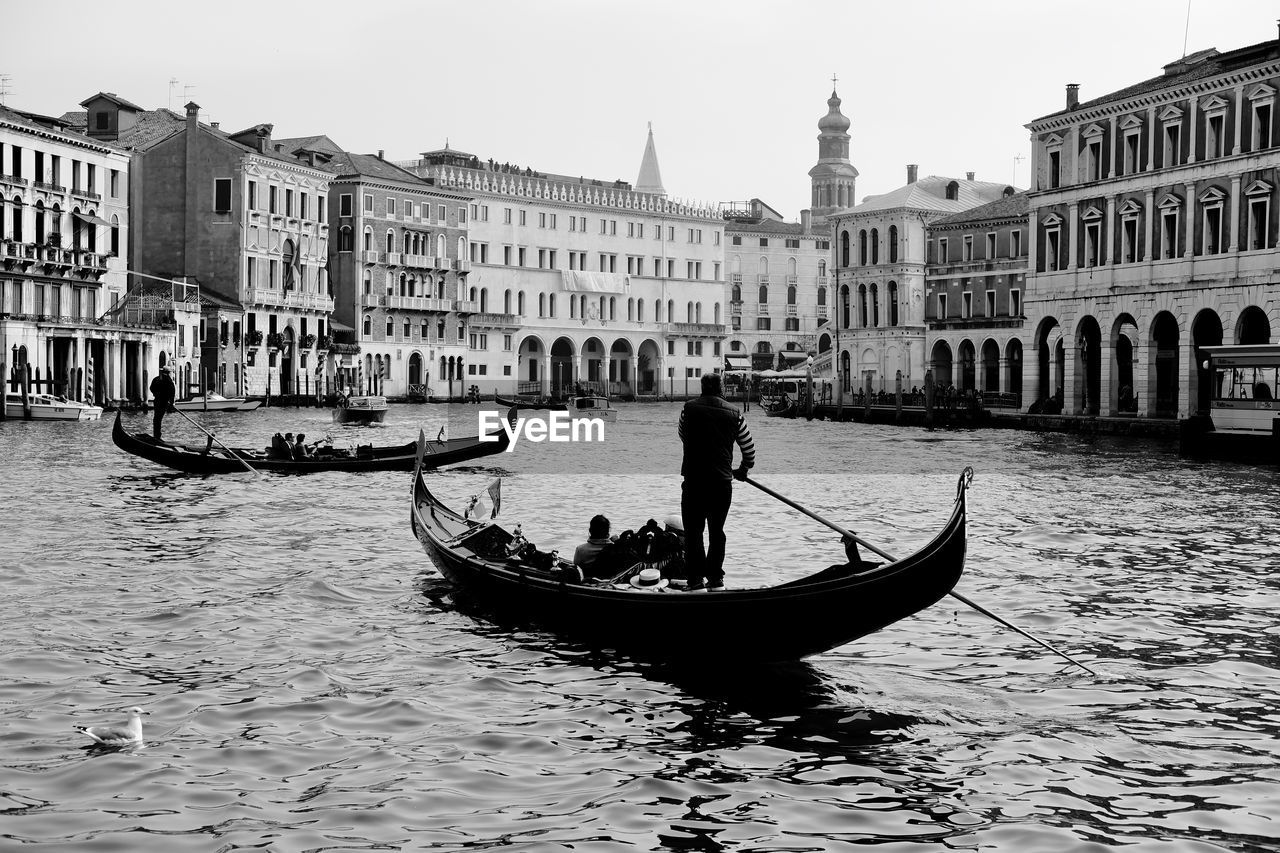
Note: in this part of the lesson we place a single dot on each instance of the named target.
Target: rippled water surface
(313, 686)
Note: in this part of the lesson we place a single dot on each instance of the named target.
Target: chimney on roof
(911, 172)
(213, 124)
(193, 115)
(968, 176)
(382, 154)
(1073, 95)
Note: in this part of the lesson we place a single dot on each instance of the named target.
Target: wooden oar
(850, 535)
(229, 451)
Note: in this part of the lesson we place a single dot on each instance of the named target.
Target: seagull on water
(118, 735)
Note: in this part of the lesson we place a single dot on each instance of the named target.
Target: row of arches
(414, 243)
(870, 313)
(1148, 367)
(625, 366)
(868, 244)
(763, 294)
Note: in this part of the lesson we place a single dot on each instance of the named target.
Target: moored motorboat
(50, 407)
(213, 458)
(214, 402)
(1243, 421)
(591, 406)
(522, 404)
(824, 610)
(363, 408)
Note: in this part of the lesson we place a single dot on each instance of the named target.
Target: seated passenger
(1261, 391)
(279, 450)
(597, 538)
(300, 449)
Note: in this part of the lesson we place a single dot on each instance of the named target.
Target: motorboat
(591, 406)
(366, 409)
(215, 402)
(51, 407)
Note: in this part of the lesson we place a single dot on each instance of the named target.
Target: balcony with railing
(466, 306)
(462, 265)
(391, 259)
(821, 281)
(49, 187)
(495, 321)
(422, 262)
(442, 306)
(90, 195)
(372, 300)
(791, 310)
(263, 296)
(695, 330)
(822, 312)
(13, 181)
(735, 278)
(735, 309)
(792, 280)
(311, 301)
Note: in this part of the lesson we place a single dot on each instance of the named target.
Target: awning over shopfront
(737, 362)
(93, 220)
(792, 357)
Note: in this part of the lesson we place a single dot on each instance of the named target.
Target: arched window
(671, 310)
(688, 313)
(391, 240)
(631, 310)
(953, 191)
(862, 306)
(875, 306)
(506, 301)
(862, 248)
(822, 296)
(573, 308)
(440, 252)
(763, 347)
(892, 297)
(791, 294)
(737, 293)
(764, 294)
(368, 239)
(717, 313)
(484, 299)
(404, 284)
(471, 295)
(893, 244)
(542, 304)
(875, 245)
(462, 248)
(115, 233)
(408, 243)
(290, 271)
(520, 303)
(613, 308)
(844, 248)
(368, 282)
(551, 304)
(368, 326)
(697, 313)
(822, 268)
(639, 310)
(844, 306)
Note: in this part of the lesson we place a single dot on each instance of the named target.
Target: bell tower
(833, 178)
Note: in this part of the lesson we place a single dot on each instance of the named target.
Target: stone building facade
(1154, 223)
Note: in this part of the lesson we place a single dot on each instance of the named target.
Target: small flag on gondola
(478, 506)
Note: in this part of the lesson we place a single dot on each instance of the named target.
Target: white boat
(368, 409)
(214, 402)
(591, 406)
(51, 407)
(1244, 405)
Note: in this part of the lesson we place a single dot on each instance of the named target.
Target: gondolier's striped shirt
(709, 427)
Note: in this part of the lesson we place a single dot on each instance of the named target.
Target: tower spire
(650, 180)
(834, 178)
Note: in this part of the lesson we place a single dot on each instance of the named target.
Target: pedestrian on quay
(709, 427)
(164, 392)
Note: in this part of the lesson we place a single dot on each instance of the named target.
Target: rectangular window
(942, 306)
(764, 242)
(991, 246)
(1129, 233)
(1092, 243)
(1213, 142)
(1261, 127)
(1259, 211)
(542, 220)
(304, 211)
(222, 195)
(1015, 243)
(942, 250)
(1055, 169)
(440, 214)
(1093, 160)
(1015, 303)
(991, 303)
(272, 194)
(1213, 230)
(640, 231)
(524, 217)
(573, 223)
(506, 255)
(968, 247)
(553, 222)
(1172, 145)
(506, 216)
(793, 243)
(1131, 161)
(763, 323)
(1052, 242)
(344, 204)
(1169, 234)
(288, 202)
(688, 347)
(253, 195)
(114, 183)
(368, 202)
(671, 347)
(391, 206)
(462, 215)
(520, 256)
(967, 305)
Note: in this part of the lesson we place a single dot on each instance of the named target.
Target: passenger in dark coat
(164, 392)
(709, 427)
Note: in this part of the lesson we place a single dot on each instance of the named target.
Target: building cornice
(1156, 97)
(73, 140)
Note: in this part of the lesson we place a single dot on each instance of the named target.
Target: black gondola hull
(780, 623)
(202, 460)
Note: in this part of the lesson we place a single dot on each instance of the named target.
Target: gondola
(529, 405)
(206, 459)
(814, 614)
(783, 408)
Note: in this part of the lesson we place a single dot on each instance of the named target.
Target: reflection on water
(314, 685)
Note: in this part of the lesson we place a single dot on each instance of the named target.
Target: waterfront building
(64, 253)
(778, 296)
(243, 220)
(974, 284)
(881, 255)
(398, 268)
(584, 280)
(1154, 223)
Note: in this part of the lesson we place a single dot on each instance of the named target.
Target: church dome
(834, 121)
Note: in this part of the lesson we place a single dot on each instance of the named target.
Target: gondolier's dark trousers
(705, 503)
(156, 417)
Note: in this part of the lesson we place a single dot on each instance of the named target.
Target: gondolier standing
(709, 427)
(164, 392)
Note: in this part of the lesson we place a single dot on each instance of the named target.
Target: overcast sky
(734, 89)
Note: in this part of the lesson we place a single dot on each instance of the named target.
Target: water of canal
(311, 685)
